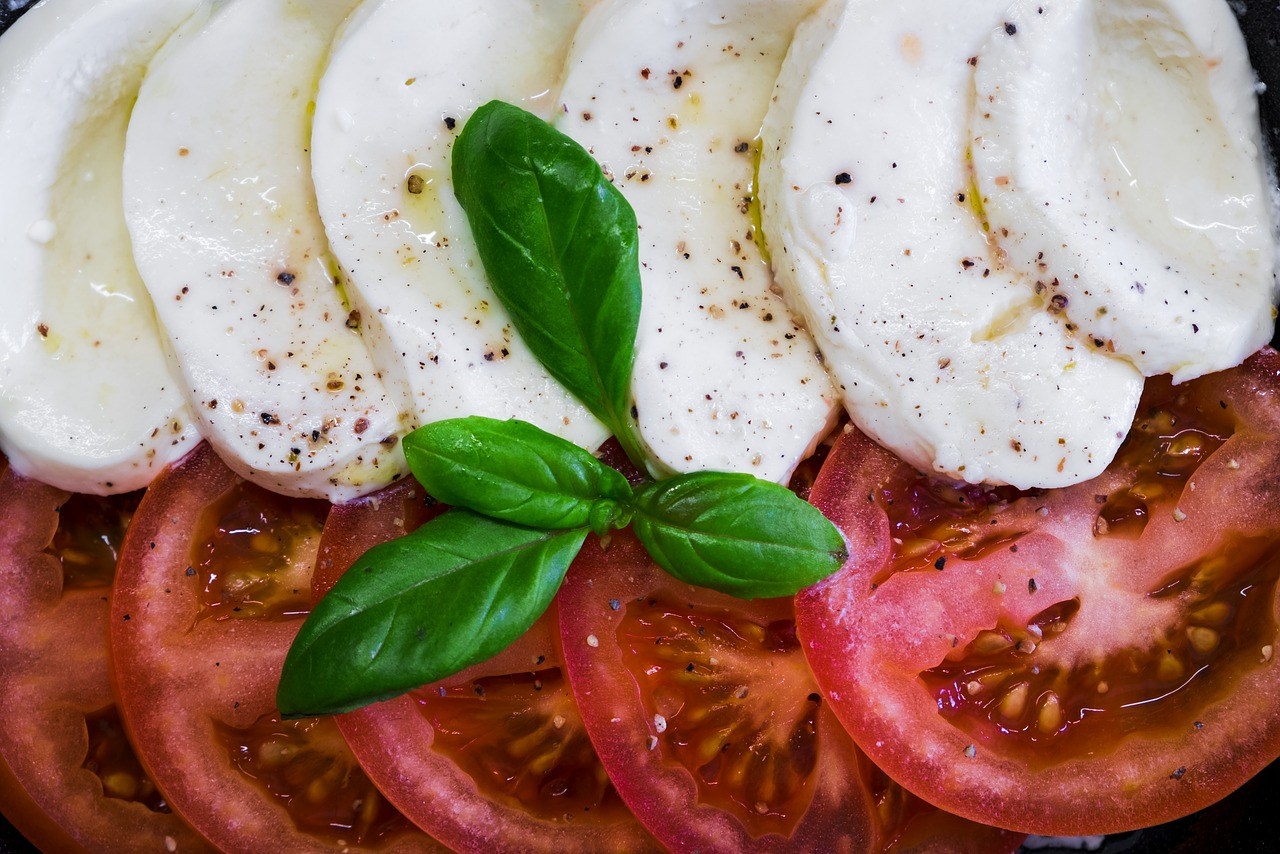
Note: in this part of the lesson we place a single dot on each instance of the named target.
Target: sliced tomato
(1087, 660)
(713, 729)
(215, 576)
(68, 777)
(494, 758)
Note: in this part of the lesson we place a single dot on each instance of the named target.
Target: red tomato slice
(68, 777)
(494, 758)
(214, 578)
(711, 726)
(1087, 660)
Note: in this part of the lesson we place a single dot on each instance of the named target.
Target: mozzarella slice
(1118, 152)
(942, 354)
(400, 83)
(226, 234)
(669, 96)
(88, 402)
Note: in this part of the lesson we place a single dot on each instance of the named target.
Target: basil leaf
(513, 470)
(560, 247)
(455, 592)
(736, 534)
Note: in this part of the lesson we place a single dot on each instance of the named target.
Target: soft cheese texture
(669, 95)
(88, 401)
(942, 353)
(1116, 146)
(228, 240)
(401, 81)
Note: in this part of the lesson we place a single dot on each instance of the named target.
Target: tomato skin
(393, 740)
(53, 645)
(868, 638)
(178, 678)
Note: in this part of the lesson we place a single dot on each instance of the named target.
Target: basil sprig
(560, 247)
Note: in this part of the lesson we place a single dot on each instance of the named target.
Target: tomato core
(520, 737)
(307, 766)
(112, 760)
(87, 542)
(733, 702)
(253, 551)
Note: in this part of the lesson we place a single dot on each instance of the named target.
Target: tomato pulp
(1086, 660)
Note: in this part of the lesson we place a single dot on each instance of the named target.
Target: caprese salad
(630, 425)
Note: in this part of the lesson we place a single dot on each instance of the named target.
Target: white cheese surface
(669, 96)
(942, 353)
(227, 237)
(1117, 150)
(402, 79)
(88, 401)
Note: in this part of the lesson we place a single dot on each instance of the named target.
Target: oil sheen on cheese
(88, 401)
(403, 77)
(226, 234)
(1117, 149)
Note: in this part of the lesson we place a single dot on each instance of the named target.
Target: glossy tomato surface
(214, 579)
(68, 777)
(1085, 660)
(494, 758)
(711, 726)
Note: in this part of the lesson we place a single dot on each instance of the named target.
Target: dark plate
(1246, 821)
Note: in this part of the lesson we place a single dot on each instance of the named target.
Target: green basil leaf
(455, 592)
(513, 470)
(560, 247)
(736, 534)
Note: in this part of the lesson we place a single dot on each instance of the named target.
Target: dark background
(1247, 821)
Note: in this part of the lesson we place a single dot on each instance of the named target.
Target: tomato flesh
(996, 681)
(112, 760)
(495, 757)
(203, 612)
(249, 554)
(57, 559)
(996, 686)
(306, 765)
(1014, 655)
(520, 737)
(752, 752)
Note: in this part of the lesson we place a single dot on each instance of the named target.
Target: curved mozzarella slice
(401, 80)
(1118, 152)
(227, 237)
(669, 96)
(88, 402)
(942, 355)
